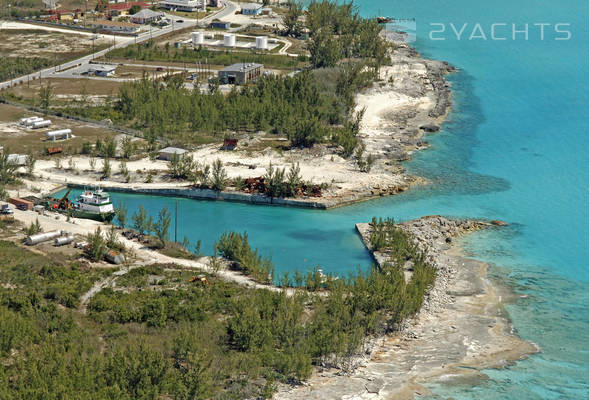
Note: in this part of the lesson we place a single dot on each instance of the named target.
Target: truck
(6, 210)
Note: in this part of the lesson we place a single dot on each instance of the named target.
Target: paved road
(120, 42)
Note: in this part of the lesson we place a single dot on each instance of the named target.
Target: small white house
(102, 69)
(251, 8)
(169, 152)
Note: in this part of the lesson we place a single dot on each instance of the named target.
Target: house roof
(251, 6)
(242, 67)
(102, 67)
(147, 13)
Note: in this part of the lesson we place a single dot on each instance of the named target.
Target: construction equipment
(59, 204)
(199, 279)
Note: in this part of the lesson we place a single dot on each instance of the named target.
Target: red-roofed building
(123, 8)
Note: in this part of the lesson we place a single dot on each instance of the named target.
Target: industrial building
(146, 16)
(102, 69)
(181, 5)
(240, 73)
(251, 8)
(220, 25)
(114, 26)
(169, 152)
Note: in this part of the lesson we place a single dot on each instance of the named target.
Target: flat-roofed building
(169, 152)
(220, 25)
(240, 73)
(102, 69)
(181, 5)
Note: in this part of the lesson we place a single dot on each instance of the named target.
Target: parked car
(6, 210)
(159, 69)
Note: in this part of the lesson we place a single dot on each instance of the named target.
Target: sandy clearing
(25, 26)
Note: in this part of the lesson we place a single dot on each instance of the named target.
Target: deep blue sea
(514, 148)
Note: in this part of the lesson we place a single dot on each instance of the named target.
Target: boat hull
(102, 217)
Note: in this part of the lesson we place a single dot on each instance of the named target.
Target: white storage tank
(63, 240)
(198, 38)
(27, 120)
(59, 134)
(30, 120)
(229, 40)
(262, 42)
(42, 237)
(41, 124)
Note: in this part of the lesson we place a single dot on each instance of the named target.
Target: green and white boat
(94, 205)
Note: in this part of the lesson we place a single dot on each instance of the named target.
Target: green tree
(7, 168)
(162, 225)
(325, 50)
(34, 228)
(218, 175)
(45, 96)
(140, 220)
(96, 248)
(31, 160)
(127, 146)
(121, 212)
(109, 147)
(106, 168)
(291, 22)
(134, 9)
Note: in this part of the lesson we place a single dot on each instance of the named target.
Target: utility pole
(176, 224)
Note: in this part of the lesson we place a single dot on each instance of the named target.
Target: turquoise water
(514, 148)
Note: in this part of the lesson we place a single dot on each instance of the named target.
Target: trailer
(21, 204)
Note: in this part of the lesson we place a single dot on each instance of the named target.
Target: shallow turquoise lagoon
(514, 148)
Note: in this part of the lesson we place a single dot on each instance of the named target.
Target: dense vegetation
(306, 110)
(12, 67)
(336, 32)
(157, 334)
(150, 51)
(235, 247)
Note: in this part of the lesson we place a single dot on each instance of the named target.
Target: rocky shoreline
(461, 329)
